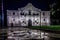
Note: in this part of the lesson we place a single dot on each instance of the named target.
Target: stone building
(28, 16)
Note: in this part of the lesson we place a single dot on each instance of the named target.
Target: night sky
(15, 4)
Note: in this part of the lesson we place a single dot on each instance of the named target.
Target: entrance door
(29, 22)
(11, 24)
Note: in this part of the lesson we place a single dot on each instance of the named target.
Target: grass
(52, 27)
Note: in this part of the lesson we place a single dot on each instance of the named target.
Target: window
(35, 14)
(13, 13)
(13, 19)
(25, 14)
(44, 19)
(12, 24)
(24, 22)
(29, 12)
(36, 22)
(22, 13)
(43, 14)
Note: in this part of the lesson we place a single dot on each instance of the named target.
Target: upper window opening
(13, 13)
(29, 12)
(43, 14)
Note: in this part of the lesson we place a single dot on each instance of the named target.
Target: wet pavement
(26, 33)
(21, 33)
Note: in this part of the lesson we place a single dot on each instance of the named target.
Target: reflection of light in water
(42, 35)
(45, 36)
(10, 37)
(34, 34)
(2, 14)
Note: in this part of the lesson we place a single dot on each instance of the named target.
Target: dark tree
(55, 13)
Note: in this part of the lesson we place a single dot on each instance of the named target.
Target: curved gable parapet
(29, 6)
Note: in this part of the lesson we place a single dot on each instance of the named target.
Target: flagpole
(2, 14)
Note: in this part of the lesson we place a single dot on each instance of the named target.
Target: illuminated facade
(28, 16)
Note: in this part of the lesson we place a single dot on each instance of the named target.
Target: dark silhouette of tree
(55, 12)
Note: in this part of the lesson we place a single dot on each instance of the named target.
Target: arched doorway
(29, 22)
(11, 24)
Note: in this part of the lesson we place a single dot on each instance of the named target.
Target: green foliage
(52, 27)
(55, 12)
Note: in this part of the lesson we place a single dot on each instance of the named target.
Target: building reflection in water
(25, 33)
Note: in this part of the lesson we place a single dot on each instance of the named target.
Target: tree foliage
(55, 12)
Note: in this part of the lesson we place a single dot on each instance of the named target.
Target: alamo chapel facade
(28, 16)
